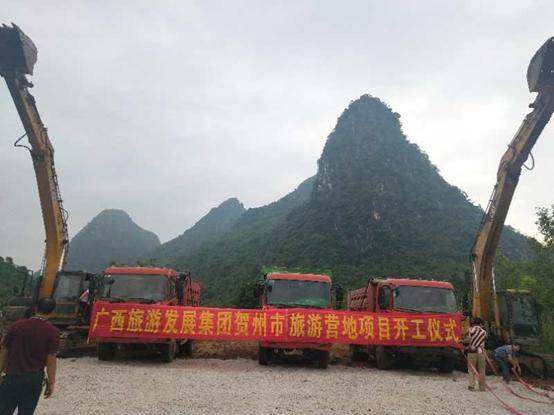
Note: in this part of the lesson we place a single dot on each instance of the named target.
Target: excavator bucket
(18, 53)
(540, 74)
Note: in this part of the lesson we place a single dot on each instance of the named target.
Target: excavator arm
(540, 78)
(17, 58)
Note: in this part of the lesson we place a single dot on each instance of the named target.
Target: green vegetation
(12, 278)
(377, 206)
(535, 273)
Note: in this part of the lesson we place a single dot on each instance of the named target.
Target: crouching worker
(476, 354)
(505, 356)
(29, 346)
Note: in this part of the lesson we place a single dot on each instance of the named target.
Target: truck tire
(383, 359)
(355, 354)
(323, 359)
(187, 348)
(446, 365)
(168, 351)
(264, 355)
(106, 351)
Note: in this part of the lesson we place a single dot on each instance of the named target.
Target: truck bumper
(430, 354)
(120, 340)
(297, 346)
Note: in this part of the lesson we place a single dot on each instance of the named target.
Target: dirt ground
(234, 383)
(249, 350)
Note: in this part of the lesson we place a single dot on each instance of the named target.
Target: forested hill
(377, 206)
(211, 227)
(12, 278)
(381, 206)
(111, 236)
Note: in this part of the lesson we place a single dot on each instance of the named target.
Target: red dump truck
(290, 290)
(148, 285)
(410, 296)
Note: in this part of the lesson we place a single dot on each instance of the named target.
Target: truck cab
(408, 296)
(148, 285)
(294, 290)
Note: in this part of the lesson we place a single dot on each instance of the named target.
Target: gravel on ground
(240, 386)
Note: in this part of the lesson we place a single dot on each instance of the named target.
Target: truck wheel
(354, 353)
(446, 365)
(168, 351)
(264, 355)
(383, 359)
(323, 360)
(106, 351)
(187, 348)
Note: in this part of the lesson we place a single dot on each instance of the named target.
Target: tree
(545, 222)
(246, 297)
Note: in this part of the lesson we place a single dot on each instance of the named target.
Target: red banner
(149, 322)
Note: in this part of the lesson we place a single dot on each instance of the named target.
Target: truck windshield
(139, 287)
(68, 287)
(424, 299)
(525, 318)
(295, 293)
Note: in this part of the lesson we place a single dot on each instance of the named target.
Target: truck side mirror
(384, 298)
(465, 304)
(258, 289)
(339, 293)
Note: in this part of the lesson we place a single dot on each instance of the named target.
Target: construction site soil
(224, 378)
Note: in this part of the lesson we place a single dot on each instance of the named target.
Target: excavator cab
(18, 53)
(74, 292)
(519, 317)
(540, 74)
(68, 288)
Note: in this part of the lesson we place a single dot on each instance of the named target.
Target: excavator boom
(18, 55)
(540, 78)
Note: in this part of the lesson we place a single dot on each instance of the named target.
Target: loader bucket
(18, 53)
(540, 74)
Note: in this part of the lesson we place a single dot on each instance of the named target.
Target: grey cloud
(167, 109)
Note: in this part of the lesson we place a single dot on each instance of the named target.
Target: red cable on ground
(524, 397)
(510, 389)
(504, 404)
(528, 386)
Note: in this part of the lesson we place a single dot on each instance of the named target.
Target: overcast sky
(167, 108)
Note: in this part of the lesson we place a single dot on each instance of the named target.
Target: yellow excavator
(18, 56)
(511, 315)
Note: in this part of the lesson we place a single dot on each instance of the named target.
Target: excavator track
(73, 340)
(540, 365)
(548, 360)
